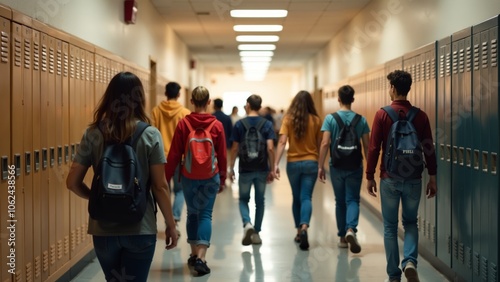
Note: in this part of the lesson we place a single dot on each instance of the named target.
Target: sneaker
(342, 243)
(256, 239)
(192, 260)
(297, 238)
(353, 242)
(201, 267)
(177, 229)
(304, 243)
(411, 272)
(248, 231)
(394, 280)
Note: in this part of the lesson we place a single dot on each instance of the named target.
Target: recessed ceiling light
(256, 59)
(256, 47)
(257, 38)
(258, 28)
(259, 13)
(256, 53)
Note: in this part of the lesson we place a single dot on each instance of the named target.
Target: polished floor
(278, 258)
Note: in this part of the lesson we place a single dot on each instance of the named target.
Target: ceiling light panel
(257, 38)
(258, 28)
(256, 47)
(256, 53)
(259, 13)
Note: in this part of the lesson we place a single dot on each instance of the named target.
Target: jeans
(125, 258)
(346, 187)
(245, 181)
(200, 198)
(179, 195)
(302, 176)
(391, 193)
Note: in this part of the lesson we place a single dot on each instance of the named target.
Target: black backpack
(253, 148)
(403, 157)
(119, 191)
(346, 150)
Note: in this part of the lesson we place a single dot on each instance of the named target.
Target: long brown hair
(120, 107)
(301, 107)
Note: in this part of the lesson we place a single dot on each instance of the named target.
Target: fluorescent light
(256, 59)
(256, 53)
(259, 13)
(260, 47)
(257, 38)
(258, 28)
(255, 64)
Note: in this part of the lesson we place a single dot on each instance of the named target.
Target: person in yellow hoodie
(165, 117)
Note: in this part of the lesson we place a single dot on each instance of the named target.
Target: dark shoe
(192, 260)
(354, 245)
(411, 272)
(297, 238)
(201, 267)
(304, 243)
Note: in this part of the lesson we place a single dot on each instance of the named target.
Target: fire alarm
(130, 11)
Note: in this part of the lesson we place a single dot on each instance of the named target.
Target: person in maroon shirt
(394, 191)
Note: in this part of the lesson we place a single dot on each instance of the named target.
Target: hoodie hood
(200, 119)
(170, 108)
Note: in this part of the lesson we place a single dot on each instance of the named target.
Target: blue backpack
(252, 150)
(346, 150)
(403, 157)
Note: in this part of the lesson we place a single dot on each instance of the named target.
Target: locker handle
(441, 152)
(494, 163)
(59, 155)
(455, 154)
(461, 156)
(485, 161)
(37, 160)
(448, 153)
(27, 162)
(52, 156)
(44, 158)
(5, 167)
(66, 153)
(468, 157)
(476, 159)
(17, 163)
(72, 151)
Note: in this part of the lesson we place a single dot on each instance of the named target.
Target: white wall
(387, 29)
(101, 22)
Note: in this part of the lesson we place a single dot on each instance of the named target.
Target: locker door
(65, 151)
(443, 139)
(6, 161)
(73, 132)
(17, 145)
(27, 151)
(36, 159)
(430, 89)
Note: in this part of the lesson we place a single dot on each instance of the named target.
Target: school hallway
(279, 258)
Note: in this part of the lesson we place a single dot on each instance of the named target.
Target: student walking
(125, 248)
(301, 127)
(165, 117)
(342, 132)
(200, 139)
(253, 141)
(401, 181)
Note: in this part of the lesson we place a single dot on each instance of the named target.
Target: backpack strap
(245, 123)
(412, 113)
(339, 120)
(260, 124)
(141, 126)
(211, 125)
(190, 127)
(355, 120)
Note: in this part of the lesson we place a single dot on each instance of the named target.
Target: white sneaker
(256, 240)
(354, 245)
(248, 231)
(411, 272)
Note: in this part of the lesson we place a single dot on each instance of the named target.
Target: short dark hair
(218, 103)
(255, 102)
(172, 90)
(346, 94)
(401, 80)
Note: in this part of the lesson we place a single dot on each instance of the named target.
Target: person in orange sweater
(165, 117)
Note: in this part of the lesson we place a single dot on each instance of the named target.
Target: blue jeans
(245, 181)
(179, 195)
(302, 176)
(200, 198)
(125, 258)
(346, 187)
(391, 193)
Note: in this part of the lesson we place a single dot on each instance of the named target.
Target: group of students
(128, 249)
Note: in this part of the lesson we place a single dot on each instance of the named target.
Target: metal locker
(443, 141)
(65, 203)
(430, 89)
(5, 152)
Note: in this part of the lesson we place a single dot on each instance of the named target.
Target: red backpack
(199, 154)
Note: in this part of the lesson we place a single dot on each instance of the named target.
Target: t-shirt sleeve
(327, 123)
(236, 133)
(90, 139)
(154, 142)
(366, 128)
(269, 131)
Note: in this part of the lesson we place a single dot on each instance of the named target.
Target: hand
(170, 237)
(231, 176)
(277, 172)
(371, 187)
(431, 188)
(270, 178)
(221, 187)
(321, 175)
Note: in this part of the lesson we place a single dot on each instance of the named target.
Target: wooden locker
(36, 160)
(6, 161)
(73, 137)
(65, 148)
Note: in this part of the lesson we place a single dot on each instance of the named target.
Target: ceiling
(206, 27)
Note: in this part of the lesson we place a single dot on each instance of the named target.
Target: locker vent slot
(59, 155)
(17, 52)
(27, 162)
(449, 244)
(60, 249)
(494, 52)
(493, 163)
(36, 56)
(17, 163)
(51, 60)
(29, 272)
(468, 157)
(44, 58)
(65, 64)
(455, 62)
(4, 47)
(485, 161)
(448, 153)
(27, 54)
(476, 57)
(484, 269)
(455, 154)
(72, 66)
(44, 158)
(52, 156)
(484, 53)
(461, 254)
(461, 156)
(469, 257)
(448, 64)
(441, 66)
(455, 249)
(468, 60)
(52, 254)
(59, 62)
(493, 272)
(38, 267)
(476, 264)
(476, 159)
(461, 59)
(5, 167)
(441, 151)
(66, 153)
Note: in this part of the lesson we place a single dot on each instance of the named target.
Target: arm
(234, 154)
(270, 156)
(431, 187)
(161, 191)
(365, 139)
(374, 145)
(221, 149)
(323, 150)
(74, 181)
(279, 152)
(175, 152)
